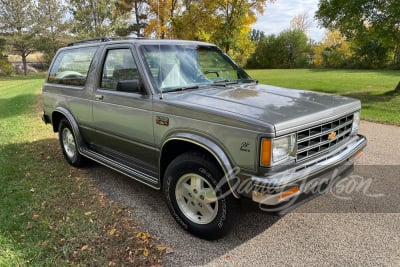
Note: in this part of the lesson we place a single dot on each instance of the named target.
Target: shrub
(6, 68)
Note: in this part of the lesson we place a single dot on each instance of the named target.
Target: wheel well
(56, 117)
(175, 148)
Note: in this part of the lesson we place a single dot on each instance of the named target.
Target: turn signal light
(266, 152)
(289, 193)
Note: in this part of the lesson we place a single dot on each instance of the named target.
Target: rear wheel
(195, 198)
(69, 145)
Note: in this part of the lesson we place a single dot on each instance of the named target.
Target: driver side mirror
(129, 86)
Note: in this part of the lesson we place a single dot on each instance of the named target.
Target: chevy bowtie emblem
(331, 136)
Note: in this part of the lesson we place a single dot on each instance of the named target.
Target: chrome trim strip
(121, 168)
(299, 173)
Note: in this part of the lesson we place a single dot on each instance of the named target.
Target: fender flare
(214, 149)
(72, 121)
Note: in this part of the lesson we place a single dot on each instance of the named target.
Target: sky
(277, 17)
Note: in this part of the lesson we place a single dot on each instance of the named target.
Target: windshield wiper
(225, 82)
(181, 88)
(248, 81)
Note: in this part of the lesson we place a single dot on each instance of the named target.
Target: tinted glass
(71, 66)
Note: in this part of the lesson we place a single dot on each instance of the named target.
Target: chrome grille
(315, 140)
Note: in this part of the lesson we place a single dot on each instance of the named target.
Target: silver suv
(182, 117)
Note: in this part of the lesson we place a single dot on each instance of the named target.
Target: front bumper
(283, 191)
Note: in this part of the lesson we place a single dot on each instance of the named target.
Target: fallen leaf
(85, 247)
(35, 217)
(22, 214)
(112, 232)
(145, 252)
(88, 213)
(169, 251)
(143, 236)
(161, 248)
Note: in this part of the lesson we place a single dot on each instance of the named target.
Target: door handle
(98, 97)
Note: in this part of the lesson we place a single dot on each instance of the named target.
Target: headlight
(277, 150)
(356, 122)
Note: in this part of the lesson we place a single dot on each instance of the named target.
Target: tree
(91, 18)
(296, 48)
(133, 17)
(334, 51)
(196, 22)
(17, 22)
(162, 12)
(290, 49)
(234, 15)
(358, 19)
(52, 29)
(224, 22)
(301, 22)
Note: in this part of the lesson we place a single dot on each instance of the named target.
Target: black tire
(69, 145)
(187, 179)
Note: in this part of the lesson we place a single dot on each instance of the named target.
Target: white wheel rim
(69, 143)
(196, 198)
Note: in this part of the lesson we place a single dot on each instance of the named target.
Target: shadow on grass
(371, 97)
(15, 106)
(394, 73)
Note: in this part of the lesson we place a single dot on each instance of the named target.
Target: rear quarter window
(71, 66)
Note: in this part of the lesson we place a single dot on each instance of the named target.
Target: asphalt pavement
(356, 224)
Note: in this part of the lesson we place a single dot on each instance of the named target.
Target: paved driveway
(356, 224)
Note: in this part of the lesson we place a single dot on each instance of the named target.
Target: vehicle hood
(285, 109)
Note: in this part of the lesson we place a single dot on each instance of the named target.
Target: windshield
(180, 67)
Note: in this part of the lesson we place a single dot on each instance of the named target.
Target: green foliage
(91, 18)
(372, 25)
(127, 25)
(18, 21)
(52, 29)
(333, 52)
(290, 49)
(6, 68)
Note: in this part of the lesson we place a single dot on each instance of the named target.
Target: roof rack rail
(91, 40)
(126, 38)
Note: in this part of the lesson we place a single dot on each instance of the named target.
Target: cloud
(277, 17)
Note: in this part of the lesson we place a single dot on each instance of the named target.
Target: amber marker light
(266, 151)
(289, 193)
(359, 153)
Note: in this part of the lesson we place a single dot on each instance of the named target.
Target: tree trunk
(24, 64)
(397, 89)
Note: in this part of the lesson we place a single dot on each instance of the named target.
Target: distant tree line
(361, 33)
(46, 25)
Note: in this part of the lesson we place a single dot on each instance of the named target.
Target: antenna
(159, 46)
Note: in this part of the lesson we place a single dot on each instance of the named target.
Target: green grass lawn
(373, 88)
(51, 214)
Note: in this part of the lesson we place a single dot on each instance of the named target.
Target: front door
(122, 116)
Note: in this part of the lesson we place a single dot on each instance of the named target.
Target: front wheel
(69, 144)
(195, 198)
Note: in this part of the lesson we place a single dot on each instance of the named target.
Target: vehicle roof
(135, 41)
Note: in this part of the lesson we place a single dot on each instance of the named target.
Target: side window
(71, 66)
(120, 72)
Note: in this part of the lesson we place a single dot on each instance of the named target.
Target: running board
(121, 168)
